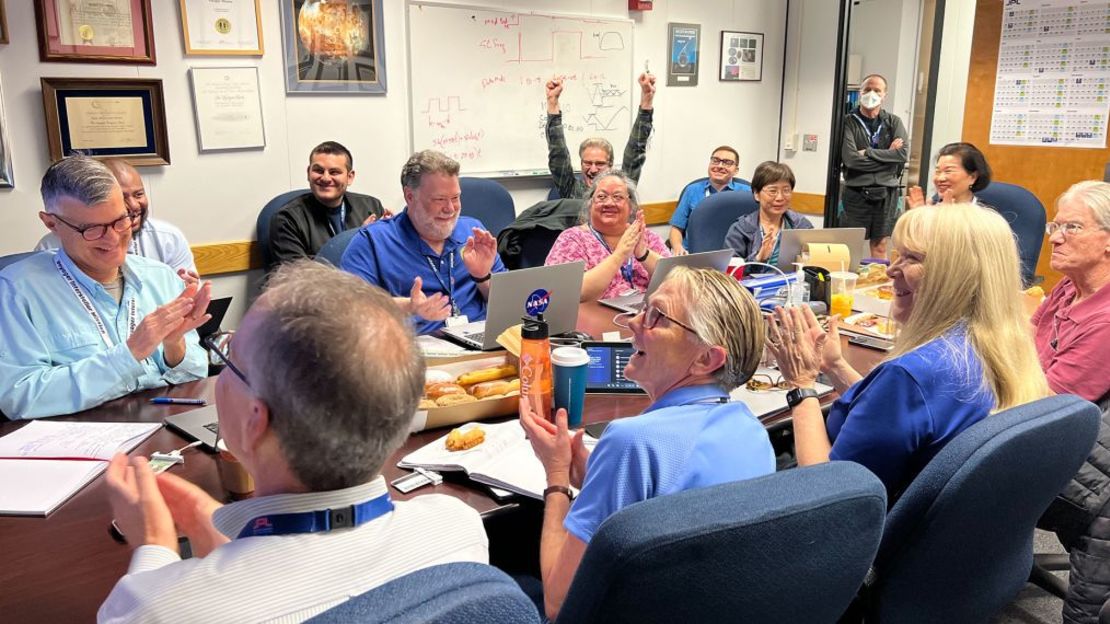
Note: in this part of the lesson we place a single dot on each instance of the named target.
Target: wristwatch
(797, 395)
(560, 489)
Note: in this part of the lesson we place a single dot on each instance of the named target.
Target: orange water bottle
(535, 367)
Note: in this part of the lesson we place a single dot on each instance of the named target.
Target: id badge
(457, 320)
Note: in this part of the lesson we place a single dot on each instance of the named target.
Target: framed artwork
(333, 46)
(741, 56)
(682, 44)
(106, 117)
(7, 177)
(3, 24)
(222, 27)
(95, 31)
(228, 107)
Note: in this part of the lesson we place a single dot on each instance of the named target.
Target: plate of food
(869, 324)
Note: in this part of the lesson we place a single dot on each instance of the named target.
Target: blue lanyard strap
(874, 135)
(342, 219)
(449, 285)
(320, 521)
(626, 268)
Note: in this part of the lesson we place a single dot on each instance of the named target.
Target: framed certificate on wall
(222, 27)
(228, 107)
(95, 31)
(106, 117)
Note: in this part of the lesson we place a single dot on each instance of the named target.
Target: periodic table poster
(1053, 81)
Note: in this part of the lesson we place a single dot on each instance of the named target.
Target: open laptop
(792, 243)
(553, 290)
(632, 302)
(198, 424)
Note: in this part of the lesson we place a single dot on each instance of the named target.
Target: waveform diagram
(437, 111)
(602, 119)
(610, 40)
(570, 43)
(601, 94)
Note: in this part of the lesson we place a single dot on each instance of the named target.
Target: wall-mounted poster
(741, 56)
(333, 46)
(104, 117)
(222, 27)
(7, 178)
(95, 31)
(228, 107)
(683, 41)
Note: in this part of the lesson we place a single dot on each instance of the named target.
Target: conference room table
(60, 568)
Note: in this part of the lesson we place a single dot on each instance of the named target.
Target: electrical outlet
(809, 143)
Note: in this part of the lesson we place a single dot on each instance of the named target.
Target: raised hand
(434, 308)
(915, 198)
(630, 240)
(647, 90)
(169, 323)
(479, 253)
(796, 345)
(553, 89)
(386, 214)
(767, 246)
(551, 442)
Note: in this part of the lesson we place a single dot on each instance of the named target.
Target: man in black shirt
(301, 227)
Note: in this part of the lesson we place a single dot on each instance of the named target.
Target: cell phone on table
(871, 342)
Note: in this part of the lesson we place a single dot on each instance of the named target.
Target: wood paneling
(1045, 171)
(222, 258)
(658, 213)
(808, 203)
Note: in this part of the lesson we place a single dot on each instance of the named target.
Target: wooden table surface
(60, 568)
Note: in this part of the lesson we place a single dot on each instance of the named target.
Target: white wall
(951, 88)
(807, 106)
(215, 197)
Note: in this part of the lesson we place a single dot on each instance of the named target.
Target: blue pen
(176, 401)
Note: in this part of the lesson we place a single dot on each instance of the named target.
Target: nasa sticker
(537, 302)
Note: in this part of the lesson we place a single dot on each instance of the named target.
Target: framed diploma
(7, 178)
(106, 117)
(741, 56)
(3, 24)
(333, 46)
(228, 107)
(222, 27)
(95, 31)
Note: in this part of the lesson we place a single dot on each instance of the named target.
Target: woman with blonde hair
(964, 350)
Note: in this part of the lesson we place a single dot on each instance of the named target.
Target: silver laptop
(553, 290)
(632, 302)
(794, 241)
(199, 424)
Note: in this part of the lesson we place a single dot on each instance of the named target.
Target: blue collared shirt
(693, 195)
(52, 358)
(390, 254)
(687, 439)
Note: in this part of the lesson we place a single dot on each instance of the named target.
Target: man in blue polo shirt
(436, 263)
(723, 165)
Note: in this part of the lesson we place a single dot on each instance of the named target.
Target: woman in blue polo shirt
(699, 336)
(964, 351)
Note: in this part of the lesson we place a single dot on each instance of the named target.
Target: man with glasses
(150, 237)
(699, 336)
(435, 262)
(723, 165)
(596, 154)
(90, 322)
(323, 379)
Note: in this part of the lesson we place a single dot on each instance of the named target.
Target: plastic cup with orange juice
(842, 287)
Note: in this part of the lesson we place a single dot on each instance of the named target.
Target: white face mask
(870, 100)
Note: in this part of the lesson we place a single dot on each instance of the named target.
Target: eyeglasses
(1067, 229)
(762, 382)
(97, 231)
(223, 352)
(618, 198)
(652, 315)
(728, 162)
(777, 192)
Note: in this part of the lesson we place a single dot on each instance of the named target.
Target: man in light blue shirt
(89, 322)
(723, 165)
(150, 237)
(436, 263)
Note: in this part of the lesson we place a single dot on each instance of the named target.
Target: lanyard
(874, 135)
(449, 285)
(132, 310)
(342, 219)
(626, 268)
(320, 521)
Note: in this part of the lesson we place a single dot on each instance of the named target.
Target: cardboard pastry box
(483, 409)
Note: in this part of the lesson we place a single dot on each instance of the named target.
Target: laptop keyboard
(478, 337)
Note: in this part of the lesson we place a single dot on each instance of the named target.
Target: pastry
(436, 390)
(448, 400)
(486, 374)
(426, 404)
(487, 389)
(459, 440)
(432, 376)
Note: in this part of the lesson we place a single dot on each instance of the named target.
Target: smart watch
(797, 395)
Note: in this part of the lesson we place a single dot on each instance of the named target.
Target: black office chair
(525, 242)
(488, 202)
(709, 222)
(1026, 216)
(262, 224)
(793, 546)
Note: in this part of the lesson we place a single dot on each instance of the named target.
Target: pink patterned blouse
(579, 243)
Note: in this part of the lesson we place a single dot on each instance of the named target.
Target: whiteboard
(477, 76)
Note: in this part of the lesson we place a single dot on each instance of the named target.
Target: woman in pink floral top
(620, 252)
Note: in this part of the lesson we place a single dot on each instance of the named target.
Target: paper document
(44, 463)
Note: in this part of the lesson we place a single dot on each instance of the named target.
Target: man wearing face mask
(873, 154)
